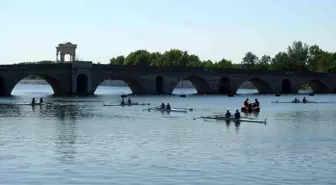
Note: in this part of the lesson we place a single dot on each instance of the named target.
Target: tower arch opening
(2, 87)
(286, 86)
(159, 83)
(224, 86)
(82, 84)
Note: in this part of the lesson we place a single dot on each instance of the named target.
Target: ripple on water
(86, 143)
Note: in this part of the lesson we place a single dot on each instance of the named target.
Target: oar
(190, 109)
(151, 108)
(247, 118)
(110, 105)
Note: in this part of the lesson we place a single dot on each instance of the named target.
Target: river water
(77, 140)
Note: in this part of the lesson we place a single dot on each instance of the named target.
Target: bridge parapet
(34, 66)
(82, 64)
(208, 70)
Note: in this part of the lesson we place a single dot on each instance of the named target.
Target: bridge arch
(318, 86)
(286, 86)
(262, 86)
(82, 83)
(224, 86)
(132, 83)
(53, 81)
(200, 84)
(159, 84)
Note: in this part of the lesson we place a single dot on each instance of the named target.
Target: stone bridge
(85, 77)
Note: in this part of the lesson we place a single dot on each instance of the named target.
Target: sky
(212, 29)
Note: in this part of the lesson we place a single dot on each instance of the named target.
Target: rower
(256, 103)
(129, 101)
(41, 100)
(250, 107)
(304, 100)
(122, 101)
(296, 100)
(237, 114)
(163, 105)
(228, 114)
(246, 103)
(33, 101)
(168, 106)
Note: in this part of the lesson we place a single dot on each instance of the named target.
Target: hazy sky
(212, 29)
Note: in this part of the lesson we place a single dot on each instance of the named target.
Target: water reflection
(65, 132)
(10, 111)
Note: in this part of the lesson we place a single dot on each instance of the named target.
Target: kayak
(300, 102)
(167, 110)
(233, 119)
(127, 104)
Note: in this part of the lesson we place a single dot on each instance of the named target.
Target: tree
(156, 59)
(194, 61)
(174, 57)
(120, 60)
(224, 63)
(250, 60)
(280, 61)
(208, 64)
(264, 62)
(138, 58)
(298, 56)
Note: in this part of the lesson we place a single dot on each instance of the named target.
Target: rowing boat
(25, 104)
(30, 104)
(167, 110)
(302, 102)
(233, 119)
(127, 104)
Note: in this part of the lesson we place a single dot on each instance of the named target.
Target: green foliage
(139, 57)
(305, 87)
(224, 63)
(250, 60)
(298, 57)
(120, 60)
(38, 62)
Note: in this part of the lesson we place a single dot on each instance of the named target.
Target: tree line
(298, 57)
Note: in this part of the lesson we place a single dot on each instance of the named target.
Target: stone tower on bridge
(64, 49)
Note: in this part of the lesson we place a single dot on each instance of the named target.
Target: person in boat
(122, 101)
(41, 100)
(237, 114)
(168, 106)
(228, 114)
(33, 101)
(250, 107)
(129, 101)
(296, 100)
(246, 103)
(304, 100)
(163, 105)
(256, 103)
